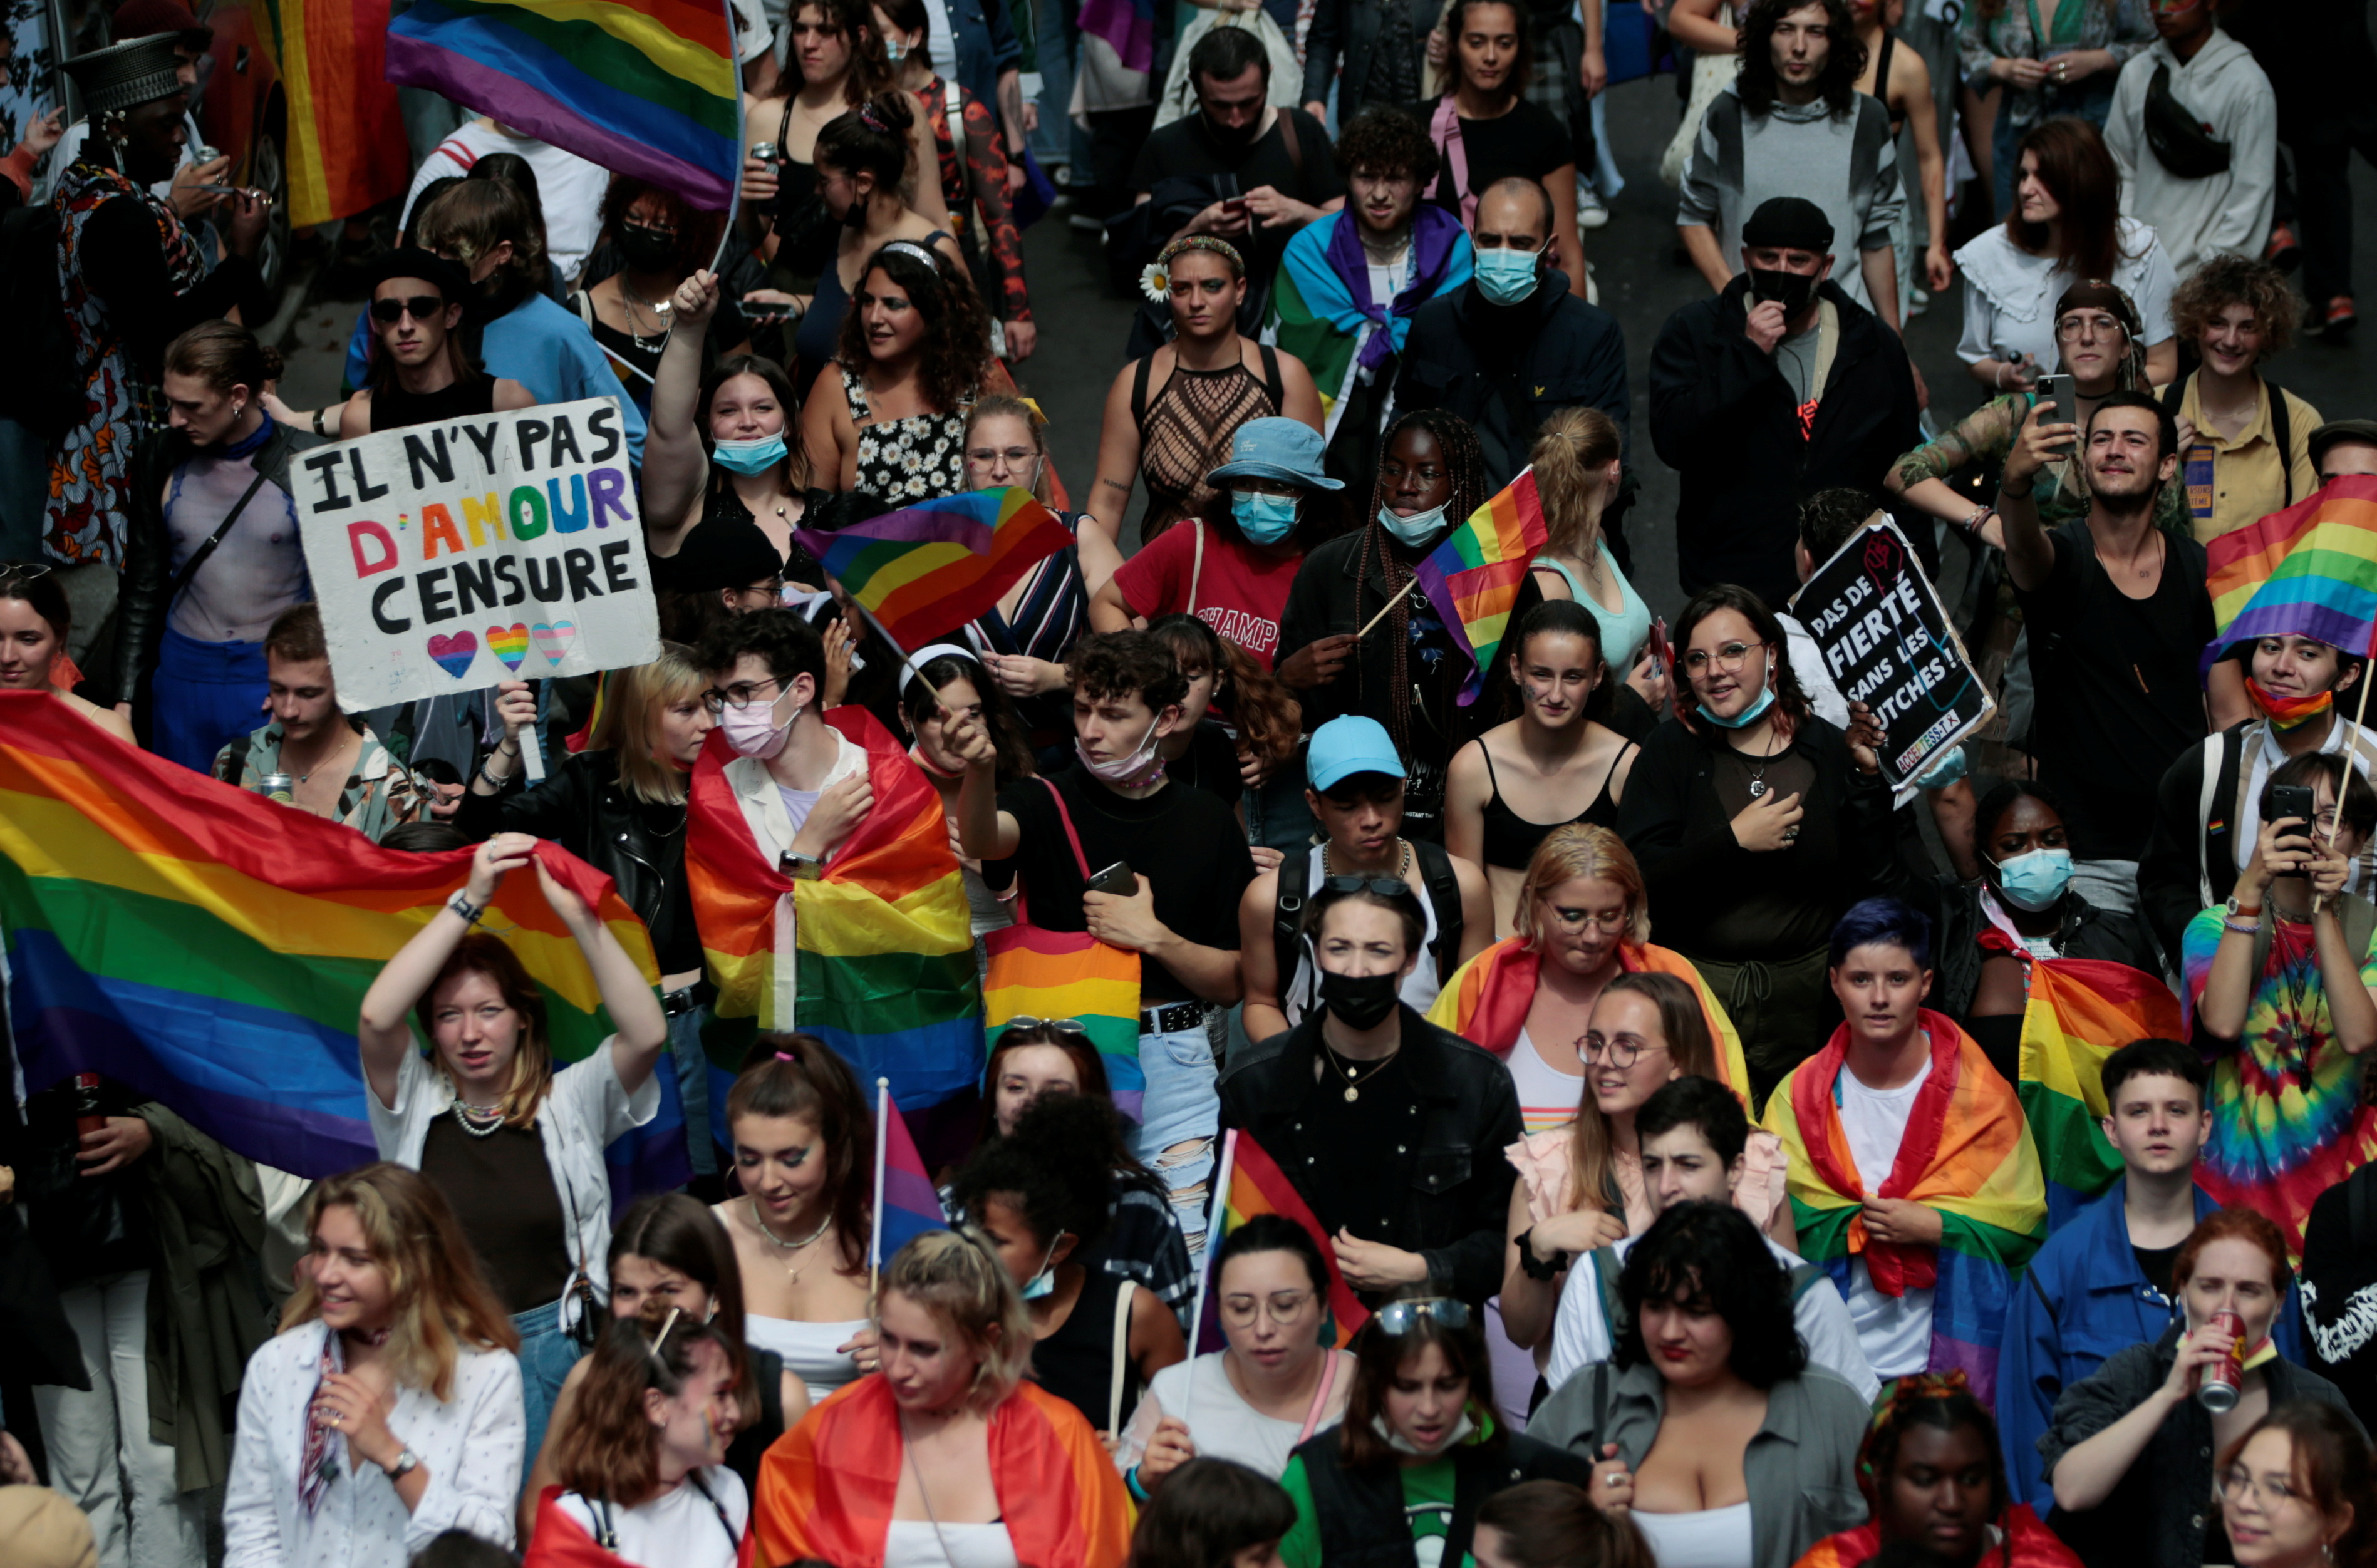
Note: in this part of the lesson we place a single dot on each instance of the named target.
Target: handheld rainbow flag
(211, 949)
(1473, 577)
(648, 88)
(2080, 1012)
(1250, 1183)
(1127, 26)
(925, 570)
(2310, 571)
(345, 147)
(907, 1204)
(874, 957)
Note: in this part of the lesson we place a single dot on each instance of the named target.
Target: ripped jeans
(1180, 1119)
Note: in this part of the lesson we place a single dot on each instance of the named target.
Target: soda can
(280, 787)
(2222, 1379)
(88, 1118)
(764, 151)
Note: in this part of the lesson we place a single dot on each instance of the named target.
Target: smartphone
(1236, 207)
(1116, 879)
(2059, 388)
(2297, 801)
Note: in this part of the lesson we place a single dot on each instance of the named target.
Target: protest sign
(1886, 642)
(450, 556)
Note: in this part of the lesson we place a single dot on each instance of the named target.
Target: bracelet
(319, 427)
(1974, 524)
(460, 904)
(2242, 928)
(1130, 1479)
(2010, 493)
(1545, 1271)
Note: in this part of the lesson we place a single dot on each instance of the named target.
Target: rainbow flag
(925, 570)
(1252, 1183)
(345, 149)
(2080, 1012)
(1127, 27)
(875, 958)
(2310, 571)
(906, 1203)
(1057, 974)
(1966, 1155)
(1473, 577)
(648, 88)
(211, 949)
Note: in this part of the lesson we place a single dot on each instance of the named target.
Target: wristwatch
(1545, 1271)
(801, 868)
(2237, 912)
(404, 1465)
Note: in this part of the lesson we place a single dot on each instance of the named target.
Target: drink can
(764, 151)
(2222, 1379)
(88, 1118)
(280, 787)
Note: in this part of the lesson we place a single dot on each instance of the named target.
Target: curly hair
(957, 333)
(2226, 280)
(1123, 664)
(1710, 1255)
(1464, 469)
(800, 1076)
(1926, 1399)
(1383, 141)
(1790, 709)
(1268, 716)
(1052, 1170)
(1843, 65)
(697, 232)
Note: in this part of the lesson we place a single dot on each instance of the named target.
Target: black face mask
(1360, 1002)
(646, 250)
(1792, 290)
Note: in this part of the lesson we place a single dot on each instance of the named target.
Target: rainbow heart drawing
(508, 644)
(554, 641)
(454, 654)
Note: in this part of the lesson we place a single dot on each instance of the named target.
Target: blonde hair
(442, 1303)
(1582, 850)
(956, 1276)
(629, 722)
(1572, 450)
(1001, 406)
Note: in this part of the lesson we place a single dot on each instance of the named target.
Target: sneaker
(2338, 320)
(1087, 222)
(1590, 210)
(2283, 251)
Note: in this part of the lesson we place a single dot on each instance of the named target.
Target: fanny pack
(2180, 143)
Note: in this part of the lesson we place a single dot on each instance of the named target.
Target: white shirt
(472, 1446)
(586, 1109)
(680, 1529)
(1706, 1537)
(2010, 294)
(1219, 1421)
(919, 1543)
(568, 188)
(1302, 992)
(1895, 1331)
(1581, 1329)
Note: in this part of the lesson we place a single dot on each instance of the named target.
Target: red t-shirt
(1239, 592)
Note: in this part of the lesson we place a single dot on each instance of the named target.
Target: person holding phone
(2282, 976)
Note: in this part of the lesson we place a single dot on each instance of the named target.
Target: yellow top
(2231, 484)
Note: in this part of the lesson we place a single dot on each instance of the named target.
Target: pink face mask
(750, 733)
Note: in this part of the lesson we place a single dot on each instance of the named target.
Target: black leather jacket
(581, 807)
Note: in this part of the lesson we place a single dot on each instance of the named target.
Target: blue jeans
(1058, 41)
(546, 1354)
(693, 1089)
(1180, 1118)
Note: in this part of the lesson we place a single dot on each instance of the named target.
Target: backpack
(44, 392)
(1442, 889)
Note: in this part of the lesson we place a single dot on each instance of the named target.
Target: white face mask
(1137, 771)
(750, 733)
(1462, 1430)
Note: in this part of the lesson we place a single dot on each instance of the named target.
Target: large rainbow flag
(1966, 1155)
(925, 570)
(2310, 571)
(1252, 1183)
(648, 88)
(1473, 577)
(875, 958)
(1038, 973)
(2080, 1012)
(345, 149)
(211, 949)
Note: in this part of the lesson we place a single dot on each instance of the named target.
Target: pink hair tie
(788, 1056)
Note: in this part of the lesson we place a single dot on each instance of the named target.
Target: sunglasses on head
(421, 307)
(1398, 1318)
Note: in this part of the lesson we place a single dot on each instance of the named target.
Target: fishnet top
(1184, 433)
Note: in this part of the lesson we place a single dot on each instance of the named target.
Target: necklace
(809, 1241)
(480, 1121)
(660, 313)
(334, 755)
(1353, 1083)
(1402, 866)
(1758, 785)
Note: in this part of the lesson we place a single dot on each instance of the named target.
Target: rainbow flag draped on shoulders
(648, 88)
(1251, 1184)
(2310, 571)
(925, 570)
(345, 146)
(1966, 1155)
(211, 949)
(2025, 1543)
(2080, 1012)
(1473, 577)
(1486, 1001)
(874, 957)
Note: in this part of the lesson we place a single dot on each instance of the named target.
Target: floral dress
(906, 460)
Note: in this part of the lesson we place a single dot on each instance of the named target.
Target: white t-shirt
(1418, 991)
(679, 1530)
(1895, 1331)
(1221, 1423)
(568, 188)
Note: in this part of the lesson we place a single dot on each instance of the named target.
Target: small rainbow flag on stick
(925, 570)
(1473, 577)
(906, 1205)
(2310, 571)
(1251, 1184)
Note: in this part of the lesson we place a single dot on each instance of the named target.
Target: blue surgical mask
(1419, 529)
(1042, 1284)
(1264, 520)
(2036, 880)
(894, 51)
(1747, 717)
(753, 457)
(1506, 276)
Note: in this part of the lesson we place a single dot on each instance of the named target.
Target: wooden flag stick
(1392, 600)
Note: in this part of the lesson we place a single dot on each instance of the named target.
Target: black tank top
(767, 1372)
(1076, 1363)
(1510, 839)
(1881, 80)
(392, 407)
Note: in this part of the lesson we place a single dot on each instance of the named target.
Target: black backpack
(44, 391)
(1442, 888)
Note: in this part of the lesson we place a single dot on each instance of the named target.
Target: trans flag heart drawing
(454, 654)
(508, 644)
(554, 641)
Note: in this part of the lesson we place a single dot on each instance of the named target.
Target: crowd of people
(1712, 1156)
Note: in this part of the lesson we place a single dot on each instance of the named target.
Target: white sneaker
(1590, 211)
(1087, 223)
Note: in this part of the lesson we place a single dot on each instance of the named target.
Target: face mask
(1792, 290)
(1417, 529)
(894, 51)
(1359, 1002)
(1459, 1434)
(646, 250)
(1748, 715)
(753, 457)
(1137, 771)
(748, 732)
(1264, 520)
(2036, 880)
(1044, 1284)
(1506, 276)
(2288, 712)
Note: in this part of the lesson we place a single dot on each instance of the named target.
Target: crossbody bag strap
(1319, 1396)
(2282, 425)
(716, 1506)
(199, 556)
(1121, 1356)
(1196, 563)
(2213, 748)
(1072, 837)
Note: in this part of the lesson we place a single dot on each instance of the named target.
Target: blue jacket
(2083, 1300)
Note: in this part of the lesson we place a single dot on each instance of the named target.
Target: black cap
(126, 74)
(2334, 431)
(411, 261)
(1789, 223)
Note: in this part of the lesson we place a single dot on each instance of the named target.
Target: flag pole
(1220, 1200)
(742, 125)
(2352, 736)
(875, 1245)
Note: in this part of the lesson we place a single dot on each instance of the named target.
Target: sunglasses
(1398, 1318)
(25, 571)
(421, 307)
(1053, 1025)
(1384, 886)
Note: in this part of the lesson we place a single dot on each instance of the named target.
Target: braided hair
(1928, 1399)
(1464, 463)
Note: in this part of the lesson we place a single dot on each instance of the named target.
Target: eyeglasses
(2073, 328)
(1283, 1307)
(1398, 1318)
(1728, 659)
(1384, 886)
(1608, 923)
(1053, 1025)
(1016, 456)
(743, 694)
(25, 571)
(421, 307)
(2237, 1484)
(1619, 1053)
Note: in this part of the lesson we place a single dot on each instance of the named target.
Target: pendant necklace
(1757, 773)
(790, 1269)
(1352, 1089)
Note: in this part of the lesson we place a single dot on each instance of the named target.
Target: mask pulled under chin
(1418, 529)
(2287, 713)
(1747, 717)
(748, 732)
(756, 456)
(1461, 1432)
(1137, 771)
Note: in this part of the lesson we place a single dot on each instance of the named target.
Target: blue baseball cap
(1347, 745)
(1284, 449)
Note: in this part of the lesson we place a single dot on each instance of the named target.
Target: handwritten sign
(448, 557)
(1886, 641)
